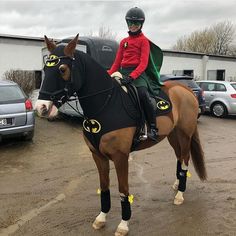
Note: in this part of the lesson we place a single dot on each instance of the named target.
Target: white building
(25, 53)
(20, 53)
(199, 65)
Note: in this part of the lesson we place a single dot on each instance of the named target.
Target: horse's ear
(70, 47)
(50, 44)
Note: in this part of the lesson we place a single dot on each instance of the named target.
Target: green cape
(155, 63)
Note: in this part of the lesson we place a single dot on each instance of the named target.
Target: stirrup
(143, 134)
(153, 135)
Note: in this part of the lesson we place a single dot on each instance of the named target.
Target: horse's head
(57, 85)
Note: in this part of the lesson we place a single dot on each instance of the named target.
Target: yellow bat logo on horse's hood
(52, 60)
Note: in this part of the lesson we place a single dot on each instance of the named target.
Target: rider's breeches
(181, 176)
(105, 201)
(148, 105)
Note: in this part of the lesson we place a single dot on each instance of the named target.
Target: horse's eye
(65, 71)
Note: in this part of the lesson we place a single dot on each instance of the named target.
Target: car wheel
(29, 136)
(219, 110)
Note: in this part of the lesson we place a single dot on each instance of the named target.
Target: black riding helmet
(135, 14)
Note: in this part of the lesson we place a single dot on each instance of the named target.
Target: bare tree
(224, 34)
(214, 40)
(105, 32)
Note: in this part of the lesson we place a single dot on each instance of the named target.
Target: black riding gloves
(126, 80)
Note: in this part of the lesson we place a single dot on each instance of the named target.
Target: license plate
(5, 121)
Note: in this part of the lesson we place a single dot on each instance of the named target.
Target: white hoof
(122, 228)
(98, 224)
(100, 221)
(175, 185)
(179, 199)
(121, 232)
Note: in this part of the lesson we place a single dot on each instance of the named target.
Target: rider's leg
(149, 110)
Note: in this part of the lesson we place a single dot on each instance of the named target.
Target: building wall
(200, 64)
(20, 54)
(223, 64)
(172, 62)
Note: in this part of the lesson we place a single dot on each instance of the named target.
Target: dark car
(189, 81)
(16, 112)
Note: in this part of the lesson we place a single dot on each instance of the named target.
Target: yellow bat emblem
(163, 105)
(53, 60)
(92, 126)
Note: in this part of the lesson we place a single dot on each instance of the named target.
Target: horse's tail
(198, 156)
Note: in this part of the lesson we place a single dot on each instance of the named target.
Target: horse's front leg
(121, 165)
(102, 164)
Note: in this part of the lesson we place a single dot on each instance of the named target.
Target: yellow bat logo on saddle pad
(92, 126)
(163, 105)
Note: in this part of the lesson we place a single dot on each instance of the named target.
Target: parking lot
(48, 186)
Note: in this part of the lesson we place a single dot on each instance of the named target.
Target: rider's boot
(150, 113)
(149, 106)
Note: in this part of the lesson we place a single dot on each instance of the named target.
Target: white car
(220, 97)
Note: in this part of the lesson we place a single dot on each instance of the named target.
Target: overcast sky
(166, 20)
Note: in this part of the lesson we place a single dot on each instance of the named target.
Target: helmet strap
(135, 33)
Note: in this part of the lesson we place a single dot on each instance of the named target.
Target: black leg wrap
(182, 180)
(126, 209)
(105, 201)
(178, 169)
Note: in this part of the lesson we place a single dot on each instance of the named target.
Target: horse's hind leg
(181, 144)
(182, 167)
(102, 164)
(174, 142)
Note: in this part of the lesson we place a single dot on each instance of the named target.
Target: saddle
(161, 102)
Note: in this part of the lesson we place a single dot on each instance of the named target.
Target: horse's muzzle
(46, 109)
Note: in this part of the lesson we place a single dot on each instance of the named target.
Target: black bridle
(59, 97)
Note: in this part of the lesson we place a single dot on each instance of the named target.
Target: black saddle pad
(163, 102)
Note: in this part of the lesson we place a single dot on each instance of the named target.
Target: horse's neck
(96, 84)
(95, 77)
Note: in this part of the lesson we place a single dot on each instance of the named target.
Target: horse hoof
(98, 224)
(121, 232)
(178, 201)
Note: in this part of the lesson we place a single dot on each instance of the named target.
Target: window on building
(216, 75)
(183, 72)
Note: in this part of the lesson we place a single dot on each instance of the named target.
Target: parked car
(189, 82)
(16, 112)
(220, 97)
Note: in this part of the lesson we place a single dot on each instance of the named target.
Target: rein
(87, 96)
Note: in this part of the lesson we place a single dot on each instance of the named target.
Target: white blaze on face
(46, 108)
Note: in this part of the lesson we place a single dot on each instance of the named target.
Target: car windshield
(234, 85)
(10, 93)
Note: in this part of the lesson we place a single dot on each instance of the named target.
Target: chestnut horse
(69, 71)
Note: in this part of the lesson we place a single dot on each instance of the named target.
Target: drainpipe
(205, 59)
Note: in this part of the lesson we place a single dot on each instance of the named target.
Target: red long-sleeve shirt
(133, 52)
